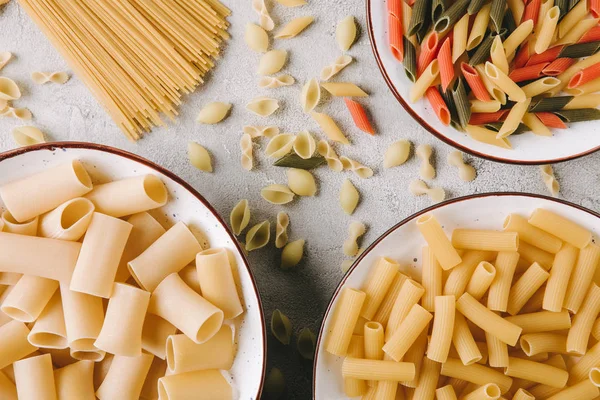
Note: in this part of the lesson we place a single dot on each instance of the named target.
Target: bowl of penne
(508, 80)
(118, 279)
(485, 296)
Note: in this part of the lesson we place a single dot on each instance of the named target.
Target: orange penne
(429, 49)
(527, 73)
(394, 7)
(446, 65)
(551, 120)
(547, 56)
(532, 11)
(396, 37)
(439, 106)
(595, 8)
(522, 56)
(359, 115)
(475, 83)
(558, 66)
(593, 35)
(584, 76)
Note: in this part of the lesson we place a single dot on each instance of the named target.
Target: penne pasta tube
(494, 91)
(199, 385)
(407, 332)
(478, 106)
(377, 286)
(475, 373)
(13, 343)
(560, 227)
(532, 235)
(424, 81)
(69, 221)
(504, 83)
(457, 281)
(479, 28)
(487, 391)
(560, 274)
(125, 378)
(174, 301)
(542, 321)
(536, 372)
(8, 390)
(121, 332)
(544, 342)
(28, 298)
(183, 355)
(416, 355)
(431, 278)
(437, 240)
(585, 267)
(101, 251)
(463, 341)
(430, 374)
(512, 121)
(585, 101)
(575, 15)
(11, 225)
(49, 330)
(355, 387)
(459, 37)
(343, 321)
(170, 253)
(472, 239)
(34, 378)
(377, 370)
(583, 90)
(34, 195)
(443, 326)
(540, 86)
(480, 281)
(546, 31)
(155, 333)
(445, 393)
(578, 31)
(52, 259)
(498, 55)
(409, 295)
(518, 36)
(385, 309)
(487, 136)
(525, 287)
(129, 196)
(158, 369)
(216, 281)
(75, 381)
(581, 328)
(566, 76)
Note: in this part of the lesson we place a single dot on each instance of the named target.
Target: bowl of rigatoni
(508, 80)
(485, 296)
(119, 280)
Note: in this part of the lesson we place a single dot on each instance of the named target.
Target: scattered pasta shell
(339, 64)
(291, 3)
(239, 216)
(27, 135)
(345, 33)
(275, 384)
(292, 254)
(349, 197)
(396, 154)
(327, 152)
(9, 89)
(266, 22)
(213, 113)
(331, 129)
(281, 327)
(199, 157)
(281, 236)
(268, 131)
(344, 89)
(19, 113)
(263, 106)
(273, 82)
(247, 159)
(465, 171)
(301, 182)
(256, 38)
(418, 188)
(311, 95)
(294, 27)
(305, 145)
(355, 231)
(277, 194)
(550, 180)
(258, 236)
(356, 167)
(49, 77)
(306, 343)
(272, 62)
(280, 145)
(5, 57)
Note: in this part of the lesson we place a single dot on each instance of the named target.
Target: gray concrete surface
(69, 112)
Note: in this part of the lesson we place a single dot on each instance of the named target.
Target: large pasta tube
(101, 251)
(52, 259)
(579, 334)
(69, 221)
(49, 330)
(35, 379)
(463, 341)
(385, 308)
(129, 196)
(11, 225)
(473, 239)
(13, 343)
(561, 227)
(587, 263)
(437, 240)
(580, 370)
(197, 385)
(443, 326)
(343, 321)
(157, 371)
(125, 378)
(525, 287)
(536, 372)
(216, 281)
(28, 298)
(196, 317)
(475, 373)
(170, 253)
(558, 282)
(355, 387)
(75, 381)
(32, 196)
(531, 234)
(377, 286)
(542, 321)
(407, 332)
(8, 390)
(121, 332)
(183, 355)
(377, 370)
(431, 278)
(155, 334)
(409, 295)
(430, 374)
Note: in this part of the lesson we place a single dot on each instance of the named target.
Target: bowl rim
(134, 157)
(404, 222)
(438, 134)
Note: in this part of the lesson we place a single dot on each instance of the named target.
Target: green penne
(475, 6)
(482, 52)
(451, 15)
(437, 9)
(461, 102)
(549, 104)
(293, 160)
(509, 22)
(497, 14)
(563, 5)
(449, 100)
(495, 126)
(410, 60)
(579, 115)
(420, 16)
(306, 343)
(573, 3)
(281, 327)
(580, 50)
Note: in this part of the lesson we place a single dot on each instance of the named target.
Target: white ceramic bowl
(578, 140)
(403, 243)
(106, 163)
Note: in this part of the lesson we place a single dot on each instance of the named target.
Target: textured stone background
(69, 112)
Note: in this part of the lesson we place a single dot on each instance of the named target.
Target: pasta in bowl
(507, 95)
(119, 280)
(490, 289)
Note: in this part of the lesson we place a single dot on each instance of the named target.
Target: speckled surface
(69, 112)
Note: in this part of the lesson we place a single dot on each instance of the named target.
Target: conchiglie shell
(396, 154)
(339, 64)
(333, 161)
(27, 135)
(280, 145)
(258, 236)
(356, 167)
(213, 113)
(19, 113)
(199, 157)
(277, 194)
(345, 33)
(266, 22)
(271, 62)
(263, 106)
(281, 236)
(271, 82)
(305, 145)
(54, 77)
(69, 221)
(239, 217)
(256, 38)
(9, 89)
(349, 197)
(294, 27)
(281, 327)
(292, 254)
(247, 159)
(301, 182)
(311, 95)
(5, 57)
(268, 131)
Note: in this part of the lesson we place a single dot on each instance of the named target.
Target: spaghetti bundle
(138, 57)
